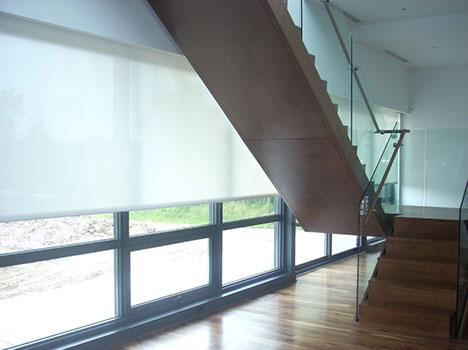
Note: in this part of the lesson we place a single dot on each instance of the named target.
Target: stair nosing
(414, 284)
(408, 308)
(435, 241)
(420, 258)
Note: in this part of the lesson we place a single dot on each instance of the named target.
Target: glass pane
(248, 251)
(44, 298)
(340, 243)
(248, 208)
(165, 219)
(42, 233)
(309, 245)
(162, 271)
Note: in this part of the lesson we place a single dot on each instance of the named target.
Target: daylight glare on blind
(87, 124)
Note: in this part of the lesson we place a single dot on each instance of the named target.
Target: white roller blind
(88, 124)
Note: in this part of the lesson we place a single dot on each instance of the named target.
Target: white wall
(129, 21)
(435, 154)
(388, 79)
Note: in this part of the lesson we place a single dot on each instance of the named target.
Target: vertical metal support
(287, 239)
(363, 210)
(302, 19)
(122, 265)
(216, 247)
(328, 245)
(351, 89)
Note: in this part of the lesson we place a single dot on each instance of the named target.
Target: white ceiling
(377, 11)
(428, 33)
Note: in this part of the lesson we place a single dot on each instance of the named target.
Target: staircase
(414, 287)
(251, 57)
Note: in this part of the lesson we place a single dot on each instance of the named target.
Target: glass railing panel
(320, 40)
(295, 11)
(435, 164)
(364, 92)
(462, 259)
(327, 35)
(379, 198)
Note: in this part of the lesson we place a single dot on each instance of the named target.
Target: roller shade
(91, 125)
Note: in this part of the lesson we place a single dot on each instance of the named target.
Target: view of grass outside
(190, 215)
(248, 208)
(165, 219)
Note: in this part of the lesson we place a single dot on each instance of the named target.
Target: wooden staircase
(414, 287)
(251, 57)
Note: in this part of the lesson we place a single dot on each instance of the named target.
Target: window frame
(123, 244)
(169, 310)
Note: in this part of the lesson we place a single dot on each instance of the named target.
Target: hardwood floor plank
(315, 313)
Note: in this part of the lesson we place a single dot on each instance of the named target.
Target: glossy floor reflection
(315, 313)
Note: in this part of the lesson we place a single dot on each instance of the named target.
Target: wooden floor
(315, 313)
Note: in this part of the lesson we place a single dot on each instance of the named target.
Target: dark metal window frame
(123, 244)
(161, 313)
(329, 257)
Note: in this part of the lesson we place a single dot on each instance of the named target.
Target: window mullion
(122, 264)
(216, 246)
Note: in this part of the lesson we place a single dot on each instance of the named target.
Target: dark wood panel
(316, 185)
(234, 47)
(251, 58)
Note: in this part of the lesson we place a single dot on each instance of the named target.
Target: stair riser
(424, 250)
(424, 228)
(433, 325)
(429, 298)
(418, 272)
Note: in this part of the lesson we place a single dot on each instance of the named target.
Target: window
(44, 298)
(44, 233)
(309, 246)
(166, 270)
(341, 243)
(166, 219)
(248, 251)
(248, 208)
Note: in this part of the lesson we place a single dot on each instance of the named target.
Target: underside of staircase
(413, 289)
(251, 57)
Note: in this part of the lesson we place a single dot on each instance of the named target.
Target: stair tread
(407, 309)
(422, 258)
(412, 284)
(435, 229)
(417, 260)
(428, 240)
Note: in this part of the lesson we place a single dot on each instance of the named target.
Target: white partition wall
(435, 153)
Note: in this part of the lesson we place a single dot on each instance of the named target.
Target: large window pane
(248, 208)
(42, 233)
(164, 219)
(248, 251)
(309, 246)
(341, 243)
(162, 271)
(45, 298)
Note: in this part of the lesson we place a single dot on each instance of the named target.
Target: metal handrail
(373, 204)
(354, 71)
